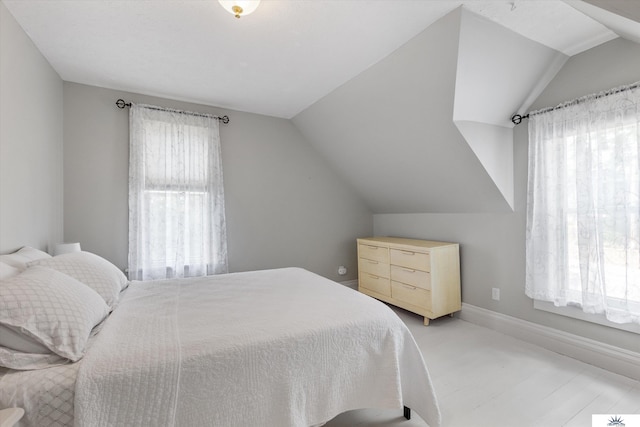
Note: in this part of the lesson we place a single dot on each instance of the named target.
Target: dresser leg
(426, 321)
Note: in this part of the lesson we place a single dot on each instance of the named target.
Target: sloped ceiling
(423, 130)
(390, 131)
(278, 60)
(499, 72)
(621, 16)
(427, 129)
(629, 9)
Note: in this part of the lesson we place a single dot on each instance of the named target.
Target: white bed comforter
(272, 348)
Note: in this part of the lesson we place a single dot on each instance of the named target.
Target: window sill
(576, 313)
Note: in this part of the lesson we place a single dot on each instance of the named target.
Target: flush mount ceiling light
(239, 8)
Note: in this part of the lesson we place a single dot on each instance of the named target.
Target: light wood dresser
(421, 276)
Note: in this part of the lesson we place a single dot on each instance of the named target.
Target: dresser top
(408, 242)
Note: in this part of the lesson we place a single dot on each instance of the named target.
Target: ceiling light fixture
(239, 8)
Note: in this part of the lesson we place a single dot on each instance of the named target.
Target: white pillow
(54, 309)
(96, 272)
(14, 340)
(7, 271)
(27, 361)
(21, 257)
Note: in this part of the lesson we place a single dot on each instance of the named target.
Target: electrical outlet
(495, 294)
(342, 270)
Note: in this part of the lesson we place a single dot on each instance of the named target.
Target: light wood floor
(484, 378)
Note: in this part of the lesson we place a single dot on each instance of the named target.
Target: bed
(282, 347)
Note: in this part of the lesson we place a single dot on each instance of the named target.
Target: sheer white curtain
(583, 224)
(176, 197)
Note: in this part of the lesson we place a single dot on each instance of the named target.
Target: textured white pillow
(94, 271)
(52, 308)
(21, 257)
(28, 361)
(7, 271)
(14, 340)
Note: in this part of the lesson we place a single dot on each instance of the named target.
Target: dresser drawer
(409, 276)
(410, 259)
(374, 253)
(411, 295)
(376, 268)
(375, 283)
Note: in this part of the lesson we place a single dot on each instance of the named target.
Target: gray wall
(30, 143)
(284, 204)
(492, 245)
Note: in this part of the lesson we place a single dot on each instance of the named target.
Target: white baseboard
(605, 356)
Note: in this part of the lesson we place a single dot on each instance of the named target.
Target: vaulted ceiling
(278, 60)
(448, 93)
(426, 129)
(408, 100)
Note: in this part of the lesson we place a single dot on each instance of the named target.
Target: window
(583, 206)
(176, 200)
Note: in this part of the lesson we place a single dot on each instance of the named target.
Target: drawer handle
(372, 262)
(409, 286)
(374, 277)
(408, 270)
(408, 253)
(373, 247)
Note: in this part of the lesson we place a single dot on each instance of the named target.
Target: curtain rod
(224, 119)
(516, 119)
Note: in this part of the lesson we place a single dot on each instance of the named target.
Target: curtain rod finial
(517, 118)
(121, 104)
